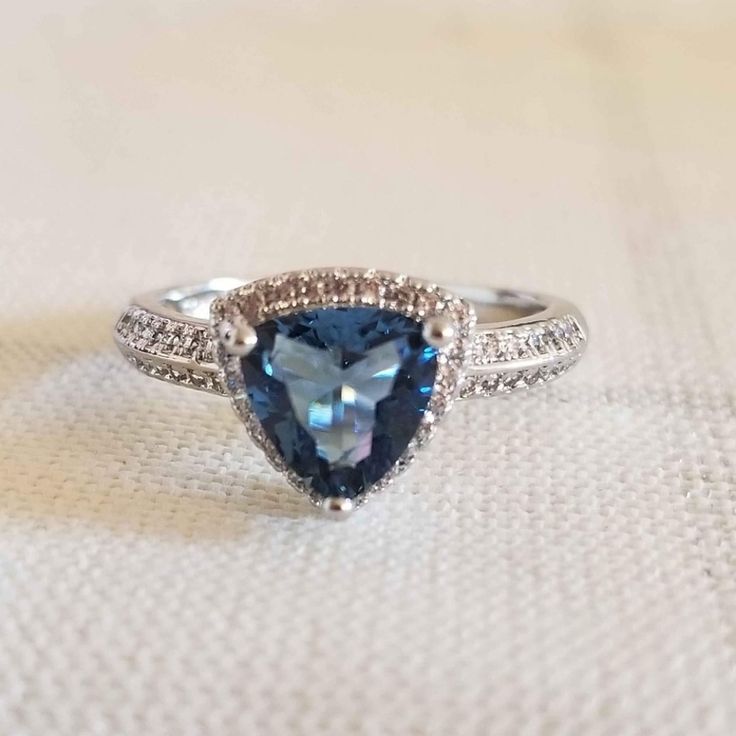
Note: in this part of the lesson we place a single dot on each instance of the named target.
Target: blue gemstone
(340, 392)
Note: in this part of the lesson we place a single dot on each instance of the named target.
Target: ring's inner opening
(491, 305)
(195, 305)
(195, 301)
(498, 305)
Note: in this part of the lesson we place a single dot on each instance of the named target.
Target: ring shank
(521, 339)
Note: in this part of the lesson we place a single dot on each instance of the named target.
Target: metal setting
(265, 299)
(491, 342)
(438, 331)
(237, 337)
(336, 507)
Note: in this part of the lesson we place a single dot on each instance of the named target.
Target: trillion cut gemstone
(340, 392)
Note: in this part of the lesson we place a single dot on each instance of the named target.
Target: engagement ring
(342, 375)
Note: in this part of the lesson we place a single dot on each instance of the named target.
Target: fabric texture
(559, 562)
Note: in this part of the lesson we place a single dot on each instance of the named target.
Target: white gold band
(521, 340)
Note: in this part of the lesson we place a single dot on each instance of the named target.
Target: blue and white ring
(341, 375)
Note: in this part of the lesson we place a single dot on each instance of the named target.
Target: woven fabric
(559, 562)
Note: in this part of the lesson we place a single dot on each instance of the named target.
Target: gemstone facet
(340, 392)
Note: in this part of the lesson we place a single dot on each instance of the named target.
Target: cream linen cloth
(561, 562)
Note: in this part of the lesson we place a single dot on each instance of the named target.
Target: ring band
(522, 340)
(481, 342)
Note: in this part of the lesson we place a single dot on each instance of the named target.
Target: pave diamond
(340, 392)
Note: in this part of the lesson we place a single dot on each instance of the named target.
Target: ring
(342, 375)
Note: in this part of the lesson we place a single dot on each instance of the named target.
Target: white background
(561, 562)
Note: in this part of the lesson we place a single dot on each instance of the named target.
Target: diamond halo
(284, 294)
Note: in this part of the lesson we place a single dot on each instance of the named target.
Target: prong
(438, 332)
(336, 507)
(238, 337)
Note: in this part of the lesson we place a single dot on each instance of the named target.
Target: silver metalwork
(490, 341)
(336, 507)
(238, 337)
(438, 331)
